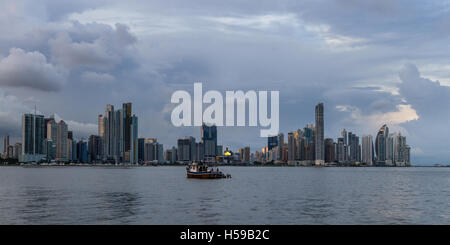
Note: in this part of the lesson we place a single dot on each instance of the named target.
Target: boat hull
(205, 175)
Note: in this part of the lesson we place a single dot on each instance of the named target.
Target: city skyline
(45, 139)
(371, 63)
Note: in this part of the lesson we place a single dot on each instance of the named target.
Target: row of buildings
(118, 141)
(48, 140)
(308, 146)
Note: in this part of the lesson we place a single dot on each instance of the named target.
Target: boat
(201, 171)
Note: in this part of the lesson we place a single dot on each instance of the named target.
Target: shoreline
(212, 165)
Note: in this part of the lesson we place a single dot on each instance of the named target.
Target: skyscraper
(32, 136)
(319, 135)
(95, 148)
(101, 125)
(367, 149)
(380, 144)
(401, 151)
(272, 141)
(134, 149)
(390, 150)
(330, 150)
(186, 149)
(126, 127)
(344, 135)
(5, 143)
(141, 145)
(280, 144)
(209, 138)
(292, 149)
(61, 142)
(353, 146)
(109, 137)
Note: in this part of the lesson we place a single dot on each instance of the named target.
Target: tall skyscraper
(134, 149)
(390, 150)
(126, 125)
(319, 136)
(292, 149)
(330, 150)
(208, 135)
(5, 143)
(61, 142)
(340, 150)
(380, 144)
(141, 145)
(272, 141)
(367, 150)
(32, 135)
(95, 148)
(401, 151)
(101, 125)
(344, 136)
(109, 137)
(353, 147)
(281, 145)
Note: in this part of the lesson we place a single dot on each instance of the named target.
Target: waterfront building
(390, 150)
(380, 145)
(171, 155)
(330, 151)
(126, 134)
(82, 152)
(95, 148)
(208, 134)
(5, 144)
(153, 151)
(52, 130)
(46, 120)
(353, 147)
(367, 150)
(133, 135)
(141, 145)
(344, 135)
(401, 151)
(220, 150)
(340, 150)
(17, 150)
(32, 138)
(281, 145)
(292, 149)
(272, 141)
(101, 125)
(61, 141)
(49, 149)
(244, 154)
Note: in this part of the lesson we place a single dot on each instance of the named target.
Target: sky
(370, 63)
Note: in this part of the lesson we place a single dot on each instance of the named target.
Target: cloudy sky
(370, 62)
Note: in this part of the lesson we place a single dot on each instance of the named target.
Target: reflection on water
(162, 195)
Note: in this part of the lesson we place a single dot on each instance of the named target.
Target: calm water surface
(255, 195)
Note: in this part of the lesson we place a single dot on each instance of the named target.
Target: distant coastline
(212, 165)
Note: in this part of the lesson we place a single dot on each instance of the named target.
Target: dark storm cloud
(431, 100)
(97, 46)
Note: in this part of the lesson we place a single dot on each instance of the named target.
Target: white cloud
(80, 129)
(372, 122)
(31, 70)
(97, 77)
